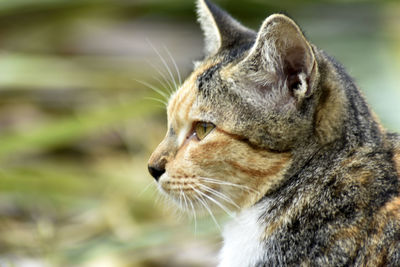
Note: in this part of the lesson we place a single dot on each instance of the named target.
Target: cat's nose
(156, 171)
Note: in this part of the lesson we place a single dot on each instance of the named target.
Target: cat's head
(233, 124)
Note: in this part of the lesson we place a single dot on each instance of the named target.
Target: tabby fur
(296, 151)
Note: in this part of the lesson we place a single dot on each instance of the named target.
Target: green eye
(202, 129)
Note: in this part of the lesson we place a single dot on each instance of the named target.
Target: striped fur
(296, 152)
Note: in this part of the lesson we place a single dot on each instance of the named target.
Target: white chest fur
(242, 240)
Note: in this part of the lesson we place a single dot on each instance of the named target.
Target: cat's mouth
(176, 185)
(192, 194)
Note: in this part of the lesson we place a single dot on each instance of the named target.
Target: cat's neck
(245, 228)
(347, 112)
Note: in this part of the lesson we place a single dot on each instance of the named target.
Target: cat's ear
(219, 28)
(282, 49)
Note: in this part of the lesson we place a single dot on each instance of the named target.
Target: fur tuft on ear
(212, 37)
(281, 49)
(220, 29)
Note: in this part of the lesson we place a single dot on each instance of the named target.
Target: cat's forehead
(181, 104)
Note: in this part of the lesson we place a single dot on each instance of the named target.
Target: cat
(272, 127)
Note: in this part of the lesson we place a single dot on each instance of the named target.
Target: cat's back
(383, 245)
(394, 140)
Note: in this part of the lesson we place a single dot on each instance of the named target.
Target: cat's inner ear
(219, 28)
(282, 49)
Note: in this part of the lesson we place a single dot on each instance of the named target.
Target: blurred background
(77, 122)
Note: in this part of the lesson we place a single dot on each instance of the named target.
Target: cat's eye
(202, 129)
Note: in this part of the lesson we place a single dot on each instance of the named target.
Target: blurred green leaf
(71, 128)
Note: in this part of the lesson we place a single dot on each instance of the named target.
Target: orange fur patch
(392, 206)
(252, 172)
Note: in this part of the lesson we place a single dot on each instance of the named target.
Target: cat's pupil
(202, 129)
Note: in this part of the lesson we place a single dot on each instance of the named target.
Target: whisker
(169, 203)
(165, 104)
(185, 201)
(161, 198)
(201, 200)
(229, 212)
(165, 64)
(219, 194)
(145, 189)
(242, 187)
(166, 82)
(180, 198)
(194, 216)
(175, 65)
(184, 205)
(167, 86)
(155, 89)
